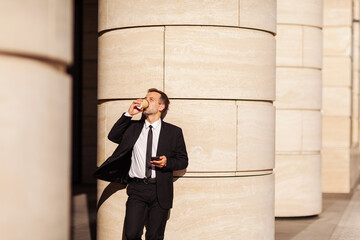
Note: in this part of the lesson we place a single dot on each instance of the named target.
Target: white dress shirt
(137, 168)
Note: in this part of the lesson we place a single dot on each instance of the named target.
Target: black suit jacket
(171, 144)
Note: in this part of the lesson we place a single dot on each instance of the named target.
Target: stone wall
(216, 61)
(340, 152)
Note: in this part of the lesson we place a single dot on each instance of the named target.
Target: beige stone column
(340, 153)
(355, 153)
(216, 61)
(35, 119)
(298, 104)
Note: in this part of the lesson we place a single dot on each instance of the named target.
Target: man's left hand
(160, 163)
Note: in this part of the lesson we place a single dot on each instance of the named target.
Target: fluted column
(216, 61)
(340, 153)
(298, 104)
(35, 119)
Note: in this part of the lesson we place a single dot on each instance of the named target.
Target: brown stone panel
(337, 41)
(298, 88)
(242, 207)
(312, 47)
(255, 135)
(130, 62)
(299, 46)
(300, 12)
(311, 131)
(337, 13)
(337, 101)
(336, 132)
(298, 185)
(335, 170)
(289, 45)
(298, 131)
(220, 63)
(259, 14)
(337, 71)
(203, 122)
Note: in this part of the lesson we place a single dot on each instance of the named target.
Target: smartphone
(156, 158)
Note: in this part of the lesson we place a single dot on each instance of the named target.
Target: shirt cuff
(128, 114)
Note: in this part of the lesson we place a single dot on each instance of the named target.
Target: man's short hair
(164, 100)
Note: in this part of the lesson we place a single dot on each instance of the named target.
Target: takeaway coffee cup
(144, 104)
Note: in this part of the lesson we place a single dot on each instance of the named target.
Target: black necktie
(148, 153)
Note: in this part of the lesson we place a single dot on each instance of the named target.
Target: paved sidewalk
(83, 217)
(349, 225)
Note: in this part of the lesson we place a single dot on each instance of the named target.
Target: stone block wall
(216, 61)
(340, 152)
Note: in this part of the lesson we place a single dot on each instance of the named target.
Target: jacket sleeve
(117, 131)
(180, 159)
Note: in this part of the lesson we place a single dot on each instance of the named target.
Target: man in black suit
(149, 151)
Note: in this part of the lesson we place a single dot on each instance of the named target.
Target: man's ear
(162, 107)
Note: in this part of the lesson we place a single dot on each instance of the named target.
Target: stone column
(35, 119)
(298, 104)
(355, 153)
(216, 61)
(340, 153)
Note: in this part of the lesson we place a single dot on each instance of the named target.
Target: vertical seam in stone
(50, 14)
(164, 58)
(302, 131)
(107, 14)
(239, 13)
(302, 45)
(237, 136)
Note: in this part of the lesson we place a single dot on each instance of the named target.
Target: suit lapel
(162, 139)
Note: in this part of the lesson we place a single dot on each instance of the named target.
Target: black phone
(156, 158)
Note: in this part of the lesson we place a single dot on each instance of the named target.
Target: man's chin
(146, 113)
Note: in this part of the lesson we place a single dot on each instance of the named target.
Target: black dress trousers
(142, 208)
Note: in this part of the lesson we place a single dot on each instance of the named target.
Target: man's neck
(152, 118)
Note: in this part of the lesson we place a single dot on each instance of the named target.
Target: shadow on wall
(108, 191)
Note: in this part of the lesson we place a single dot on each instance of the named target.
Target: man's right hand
(133, 110)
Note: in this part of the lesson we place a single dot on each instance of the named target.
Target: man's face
(155, 105)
